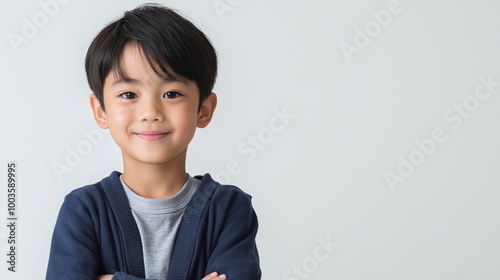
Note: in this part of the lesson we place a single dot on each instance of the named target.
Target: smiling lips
(151, 135)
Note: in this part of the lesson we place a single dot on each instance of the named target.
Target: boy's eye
(171, 94)
(128, 95)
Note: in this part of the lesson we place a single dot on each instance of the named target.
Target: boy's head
(152, 73)
(172, 45)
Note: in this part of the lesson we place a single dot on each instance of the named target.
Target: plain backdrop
(367, 132)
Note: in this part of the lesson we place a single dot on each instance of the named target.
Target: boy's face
(152, 119)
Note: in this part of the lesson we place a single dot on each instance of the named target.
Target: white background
(322, 175)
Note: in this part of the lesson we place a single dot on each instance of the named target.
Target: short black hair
(169, 41)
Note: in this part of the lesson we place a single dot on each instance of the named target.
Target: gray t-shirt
(158, 221)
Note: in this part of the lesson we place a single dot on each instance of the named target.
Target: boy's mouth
(151, 135)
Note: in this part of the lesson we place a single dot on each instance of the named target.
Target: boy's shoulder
(86, 194)
(220, 198)
(220, 190)
(94, 188)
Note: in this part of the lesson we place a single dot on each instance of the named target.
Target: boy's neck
(154, 181)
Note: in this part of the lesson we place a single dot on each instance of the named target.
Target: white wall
(356, 106)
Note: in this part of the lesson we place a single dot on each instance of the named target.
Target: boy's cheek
(119, 113)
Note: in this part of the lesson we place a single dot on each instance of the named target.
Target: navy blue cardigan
(96, 234)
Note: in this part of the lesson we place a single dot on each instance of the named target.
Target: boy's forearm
(124, 276)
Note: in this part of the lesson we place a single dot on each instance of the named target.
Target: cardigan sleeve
(74, 247)
(235, 253)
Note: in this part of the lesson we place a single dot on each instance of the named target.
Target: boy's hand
(105, 277)
(215, 276)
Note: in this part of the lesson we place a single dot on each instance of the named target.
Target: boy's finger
(213, 276)
(210, 276)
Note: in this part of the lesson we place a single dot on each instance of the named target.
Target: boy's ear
(207, 110)
(99, 113)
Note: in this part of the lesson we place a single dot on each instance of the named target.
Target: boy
(152, 73)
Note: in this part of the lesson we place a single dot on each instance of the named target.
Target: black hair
(170, 43)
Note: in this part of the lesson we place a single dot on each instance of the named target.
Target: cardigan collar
(185, 241)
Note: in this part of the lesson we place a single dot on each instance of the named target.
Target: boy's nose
(151, 110)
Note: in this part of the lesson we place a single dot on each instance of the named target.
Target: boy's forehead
(134, 60)
(133, 65)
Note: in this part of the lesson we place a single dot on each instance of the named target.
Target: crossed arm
(211, 276)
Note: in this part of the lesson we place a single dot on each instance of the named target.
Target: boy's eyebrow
(166, 79)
